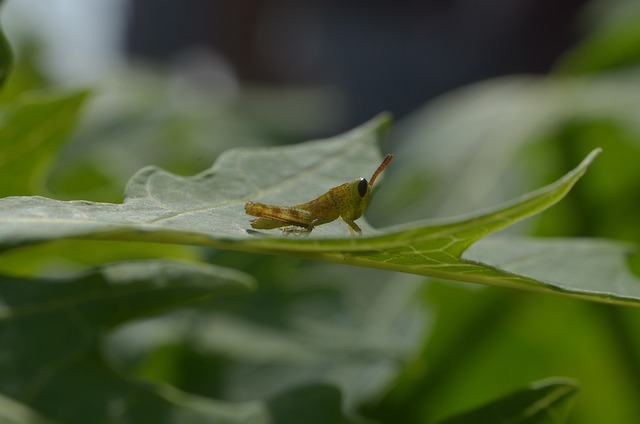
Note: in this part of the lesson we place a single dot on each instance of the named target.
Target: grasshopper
(346, 201)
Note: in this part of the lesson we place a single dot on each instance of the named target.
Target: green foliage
(54, 331)
(184, 341)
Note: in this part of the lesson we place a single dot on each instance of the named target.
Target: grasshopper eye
(362, 187)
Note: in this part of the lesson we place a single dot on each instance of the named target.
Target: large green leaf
(207, 209)
(544, 402)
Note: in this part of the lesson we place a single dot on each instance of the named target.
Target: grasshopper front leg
(353, 227)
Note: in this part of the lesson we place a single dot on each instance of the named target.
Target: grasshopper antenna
(381, 168)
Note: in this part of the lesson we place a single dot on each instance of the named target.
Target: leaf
(582, 267)
(482, 144)
(207, 209)
(55, 329)
(55, 369)
(303, 324)
(32, 131)
(63, 257)
(610, 47)
(318, 404)
(12, 412)
(6, 57)
(543, 402)
(204, 209)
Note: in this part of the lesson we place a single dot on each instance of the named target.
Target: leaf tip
(592, 155)
(586, 162)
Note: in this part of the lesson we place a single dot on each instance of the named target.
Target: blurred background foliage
(492, 99)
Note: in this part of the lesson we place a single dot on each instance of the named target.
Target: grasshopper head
(360, 191)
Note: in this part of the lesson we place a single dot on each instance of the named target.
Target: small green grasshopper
(347, 201)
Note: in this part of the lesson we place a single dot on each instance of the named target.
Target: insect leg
(353, 227)
(301, 231)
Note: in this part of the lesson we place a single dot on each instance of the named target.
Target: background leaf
(12, 412)
(306, 323)
(323, 399)
(5, 57)
(545, 402)
(611, 45)
(55, 330)
(32, 130)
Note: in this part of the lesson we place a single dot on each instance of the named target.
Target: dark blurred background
(380, 54)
